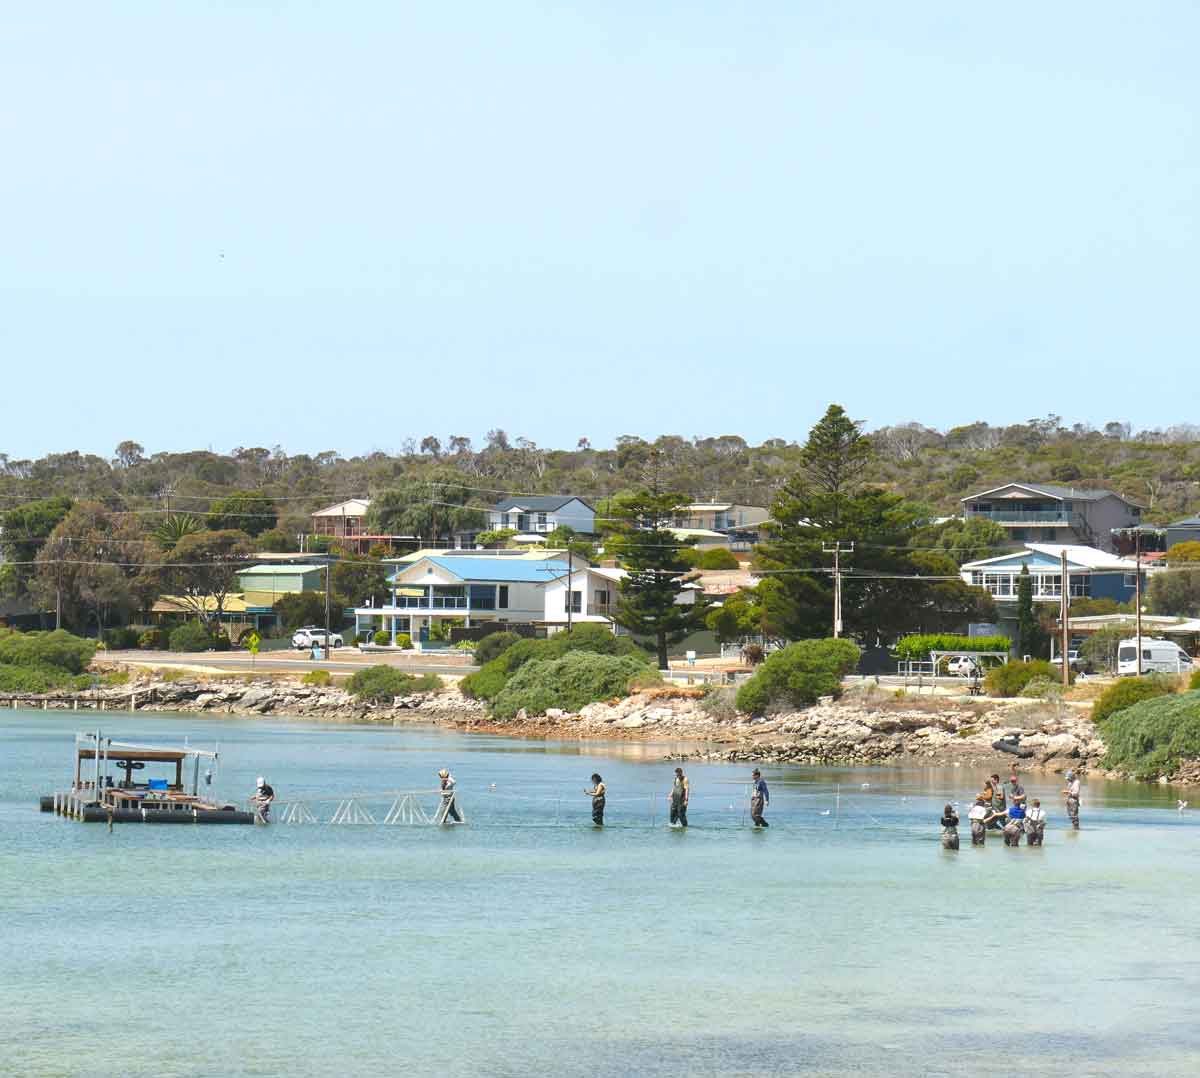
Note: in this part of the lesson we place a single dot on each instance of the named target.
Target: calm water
(530, 943)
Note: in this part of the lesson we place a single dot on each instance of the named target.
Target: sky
(337, 226)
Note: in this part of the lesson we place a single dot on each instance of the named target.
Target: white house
(460, 588)
(541, 514)
(592, 595)
(1091, 573)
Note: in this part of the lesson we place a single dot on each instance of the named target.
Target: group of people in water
(760, 798)
(1003, 807)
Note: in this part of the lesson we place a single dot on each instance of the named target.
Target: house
(1183, 531)
(592, 593)
(531, 514)
(1045, 513)
(263, 585)
(460, 589)
(342, 521)
(1091, 573)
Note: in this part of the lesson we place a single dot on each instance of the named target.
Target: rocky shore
(858, 729)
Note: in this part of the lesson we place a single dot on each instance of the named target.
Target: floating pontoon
(106, 786)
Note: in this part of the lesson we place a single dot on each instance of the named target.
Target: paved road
(274, 662)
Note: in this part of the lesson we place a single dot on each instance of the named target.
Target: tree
(431, 445)
(425, 508)
(306, 608)
(649, 597)
(23, 531)
(202, 571)
(358, 577)
(1183, 552)
(175, 527)
(129, 454)
(966, 540)
(1031, 638)
(244, 511)
(1175, 592)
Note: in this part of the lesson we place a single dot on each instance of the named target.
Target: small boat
(108, 785)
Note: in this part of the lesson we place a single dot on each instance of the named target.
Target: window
(542, 521)
(502, 600)
(576, 602)
(483, 596)
(602, 599)
(1129, 580)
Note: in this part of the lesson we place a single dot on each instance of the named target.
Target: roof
(277, 570)
(1053, 490)
(1084, 557)
(284, 557)
(538, 503)
(605, 573)
(501, 570)
(175, 604)
(698, 533)
(538, 554)
(352, 507)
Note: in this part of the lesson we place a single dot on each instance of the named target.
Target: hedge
(1012, 678)
(34, 679)
(57, 649)
(919, 645)
(571, 682)
(379, 684)
(193, 636)
(1152, 738)
(493, 645)
(1129, 691)
(799, 674)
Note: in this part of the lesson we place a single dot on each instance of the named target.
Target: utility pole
(837, 550)
(328, 574)
(1063, 614)
(569, 567)
(1137, 595)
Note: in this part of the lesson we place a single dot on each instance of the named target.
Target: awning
(411, 593)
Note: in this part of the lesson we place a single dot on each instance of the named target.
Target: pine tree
(1031, 638)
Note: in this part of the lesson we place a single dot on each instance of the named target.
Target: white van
(1158, 657)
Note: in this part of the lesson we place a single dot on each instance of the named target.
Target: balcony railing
(439, 602)
(1027, 516)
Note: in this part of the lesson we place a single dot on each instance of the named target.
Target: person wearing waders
(978, 817)
(949, 828)
(263, 796)
(1015, 827)
(999, 807)
(760, 798)
(1035, 824)
(1016, 792)
(449, 810)
(596, 793)
(679, 799)
(1072, 795)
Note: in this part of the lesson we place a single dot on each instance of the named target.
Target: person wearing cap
(978, 817)
(679, 799)
(760, 798)
(264, 794)
(999, 812)
(1071, 793)
(596, 793)
(449, 810)
(1035, 824)
(949, 828)
(1016, 792)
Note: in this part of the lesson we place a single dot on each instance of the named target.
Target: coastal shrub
(379, 684)
(919, 645)
(1151, 738)
(119, 639)
(34, 679)
(1011, 678)
(1042, 688)
(719, 702)
(1129, 691)
(487, 682)
(426, 683)
(320, 678)
(115, 677)
(381, 639)
(58, 648)
(570, 682)
(193, 636)
(403, 640)
(799, 674)
(493, 645)
(152, 640)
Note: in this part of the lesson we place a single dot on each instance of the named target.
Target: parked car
(1072, 658)
(962, 666)
(304, 638)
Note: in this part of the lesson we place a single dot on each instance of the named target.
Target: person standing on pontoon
(449, 810)
(264, 794)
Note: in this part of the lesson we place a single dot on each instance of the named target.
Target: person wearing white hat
(263, 796)
(1071, 793)
(449, 808)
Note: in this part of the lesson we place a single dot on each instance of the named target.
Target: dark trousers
(598, 811)
(978, 833)
(756, 812)
(679, 812)
(451, 811)
(1073, 811)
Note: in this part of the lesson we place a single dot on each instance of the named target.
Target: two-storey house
(1045, 513)
(542, 514)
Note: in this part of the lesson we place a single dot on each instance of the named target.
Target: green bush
(1129, 691)
(152, 640)
(34, 679)
(919, 645)
(116, 677)
(799, 674)
(1194, 681)
(119, 639)
(1011, 678)
(403, 640)
(493, 645)
(716, 558)
(380, 683)
(194, 636)
(381, 639)
(319, 678)
(58, 649)
(1042, 688)
(1151, 738)
(570, 682)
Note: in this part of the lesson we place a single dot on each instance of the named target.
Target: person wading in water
(596, 793)
(1035, 824)
(760, 798)
(949, 828)
(449, 810)
(1071, 793)
(679, 799)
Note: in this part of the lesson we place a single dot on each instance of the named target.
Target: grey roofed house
(1183, 531)
(540, 514)
(1050, 513)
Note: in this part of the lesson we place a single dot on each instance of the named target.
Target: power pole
(569, 567)
(1063, 614)
(1137, 595)
(837, 550)
(328, 574)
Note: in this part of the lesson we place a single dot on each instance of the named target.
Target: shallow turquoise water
(530, 943)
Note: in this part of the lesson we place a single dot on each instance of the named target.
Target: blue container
(157, 784)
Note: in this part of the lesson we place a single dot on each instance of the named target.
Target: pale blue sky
(588, 219)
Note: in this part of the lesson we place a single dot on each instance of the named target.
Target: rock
(554, 713)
